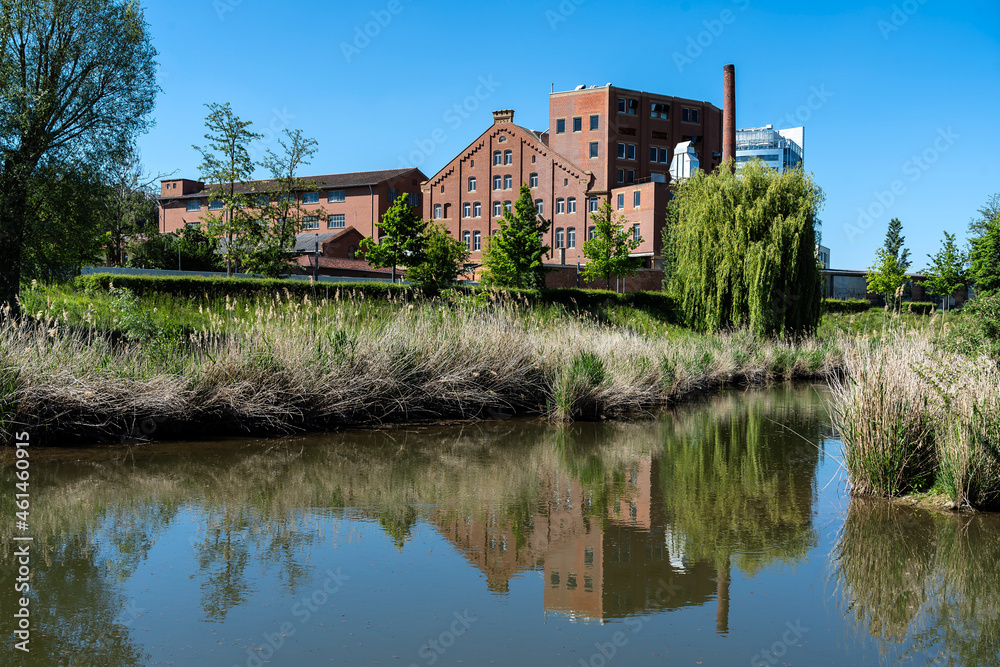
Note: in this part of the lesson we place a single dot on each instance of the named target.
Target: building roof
(325, 182)
(306, 241)
(309, 261)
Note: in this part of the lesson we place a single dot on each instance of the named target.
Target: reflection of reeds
(282, 364)
(926, 581)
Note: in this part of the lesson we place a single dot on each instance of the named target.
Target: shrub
(846, 305)
(977, 331)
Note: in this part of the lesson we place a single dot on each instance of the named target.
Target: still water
(720, 533)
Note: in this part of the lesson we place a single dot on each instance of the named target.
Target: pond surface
(719, 533)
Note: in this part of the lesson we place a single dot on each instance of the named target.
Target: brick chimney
(729, 116)
(503, 116)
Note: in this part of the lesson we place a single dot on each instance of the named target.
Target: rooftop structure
(779, 149)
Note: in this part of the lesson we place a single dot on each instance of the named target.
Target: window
(472, 163)
(560, 238)
(663, 155)
(193, 225)
(414, 199)
(659, 110)
(506, 206)
(442, 188)
(502, 139)
(652, 154)
(508, 182)
(633, 107)
(593, 149)
(262, 201)
(287, 199)
(497, 158)
(571, 237)
(533, 158)
(694, 115)
(437, 211)
(560, 205)
(477, 240)
(540, 206)
(578, 124)
(631, 151)
(467, 239)
(335, 221)
(621, 175)
(627, 105)
(335, 196)
(595, 122)
(593, 204)
(635, 233)
(637, 199)
(508, 157)
(313, 197)
(571, 205)
(472, 183)
(466, 210)
(689, 115)
(193, 205)
(477, 210)
(591, 233)
(561, 126)
(310, 222)
(622, 104)
(621, 201)
(533, 180)
(630, 176)
(497, 209)
(497, 182)
(621, 151)
(214, 205)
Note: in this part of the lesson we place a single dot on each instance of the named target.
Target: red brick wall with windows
(557, 178)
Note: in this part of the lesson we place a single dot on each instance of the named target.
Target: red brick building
(603, 143)
(335, 203)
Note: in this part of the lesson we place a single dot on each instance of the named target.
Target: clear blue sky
(875, 84)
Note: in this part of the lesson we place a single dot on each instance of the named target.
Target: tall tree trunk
(13, 207)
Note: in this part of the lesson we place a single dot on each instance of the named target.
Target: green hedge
(846, 305)
(919, 307)
(196, 286)
(656, 303)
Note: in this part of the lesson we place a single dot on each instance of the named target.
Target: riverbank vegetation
(105, 365)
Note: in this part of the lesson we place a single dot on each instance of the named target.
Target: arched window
(571, 237)
(540, 206)
(571, 205)
(497, 158)
(560, 205)
(560, 238)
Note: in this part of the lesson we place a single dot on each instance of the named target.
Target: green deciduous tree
(443, 259)
(514, 255)
(226, 166)
(946, 273)
(77, 83)
(984, 253)
(65, 224)
(191, 250)
(269, 241)
(401, 241)
(608, 252)
(741, 250)
(128, 204)
(887, 275)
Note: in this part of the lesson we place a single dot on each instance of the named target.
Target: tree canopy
(984, 254)
(443, 258)
(514, 255)
(608, 252)
(741, 250)
(946, 273)
(77, 84)
(887, 275)
(401, 242)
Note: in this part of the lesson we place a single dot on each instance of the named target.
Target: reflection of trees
(76, 610)
(737, 477)
(926, 582)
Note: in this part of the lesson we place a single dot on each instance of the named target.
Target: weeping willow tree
(741, 251)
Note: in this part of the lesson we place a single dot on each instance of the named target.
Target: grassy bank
(916, 416)
(107, 365)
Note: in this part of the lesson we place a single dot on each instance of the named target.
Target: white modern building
(779, 149)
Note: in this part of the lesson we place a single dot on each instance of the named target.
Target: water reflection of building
(600, 560)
